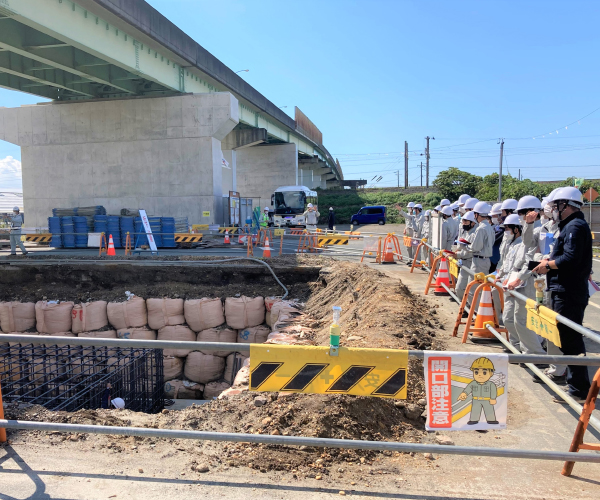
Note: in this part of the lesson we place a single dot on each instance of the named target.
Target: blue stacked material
(54, 229)
(68, 228)
(127, 226)
(156, 227)
(100, 223)
(168, 232)
(140, 234)
(81, 231)
(113, 227)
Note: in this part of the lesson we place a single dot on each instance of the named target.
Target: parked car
(369, 215)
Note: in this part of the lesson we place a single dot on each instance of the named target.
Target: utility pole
(405, 164)
(421, 174)
(397, 172)
(427, 160)
(501, 142)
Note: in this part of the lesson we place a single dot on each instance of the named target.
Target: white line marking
(595, 305)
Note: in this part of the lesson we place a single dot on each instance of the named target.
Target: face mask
(462, 210)
(509, 236)
(548, 211)
(495, 220)
(522, 219)
(467, 227)
(555, 215)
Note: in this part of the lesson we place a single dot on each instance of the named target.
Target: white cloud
(10, 173)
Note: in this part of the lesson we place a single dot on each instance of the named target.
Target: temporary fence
(568, 457)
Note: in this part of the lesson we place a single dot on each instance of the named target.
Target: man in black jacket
(331, 219)
(569, 268)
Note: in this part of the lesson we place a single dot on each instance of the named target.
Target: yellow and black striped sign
(231, 230)
(360, 372)
(332, 240)
(187, 238)
(38, 238)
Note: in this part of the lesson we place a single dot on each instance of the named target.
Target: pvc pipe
(304, 441)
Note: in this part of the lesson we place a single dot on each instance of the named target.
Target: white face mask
(495, 220)
(555, 215)
(509, 236)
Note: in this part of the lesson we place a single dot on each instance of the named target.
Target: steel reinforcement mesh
(71, 378)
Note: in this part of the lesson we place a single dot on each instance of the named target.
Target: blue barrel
(81, 230)
(168, 232)
(68, 228)
(113, 227)
(127, 225)
(55, 230)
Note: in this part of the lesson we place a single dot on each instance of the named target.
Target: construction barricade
(308, 243)
(439, 272)
(372, 246)
(391, 251)
(421, 247)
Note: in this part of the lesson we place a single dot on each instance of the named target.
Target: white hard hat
(447, 210)
(552, 194)
(266, 208)
(438, 208)
(411, 204)
(470, 216)
(529, 201)
(118, 403)
(496, 209)
(16, 209)
(509, 204)
(482, 208)
(462, 199)
(471, 202)
(418, 205)
(445, 202)
(512, 219)
(427, 213)
(455, 206)
(310, 205)
(570, 194)
(330, 208)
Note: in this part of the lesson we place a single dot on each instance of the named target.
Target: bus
(289, 204)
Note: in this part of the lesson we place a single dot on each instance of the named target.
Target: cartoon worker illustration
(483, 391)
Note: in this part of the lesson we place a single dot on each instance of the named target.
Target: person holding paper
(514, 274)
(466, 235)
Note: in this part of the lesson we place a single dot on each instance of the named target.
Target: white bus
(289, 204)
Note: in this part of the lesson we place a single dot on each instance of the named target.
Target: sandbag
(164, 312)
(106, 334)
(254, 335)
(17, 316)
(128, 314)
(268, 318)
(269, 301)
(136, 334)
(244, 312)
(57, 334)
(242, 379)
(214, 389)
(173, 367)
(203, 368)
(53, 318)
(283, 311)
(231, 361)
(217, 335)
(177, 332)
(202, 314)
(183, 389)
(89, 316)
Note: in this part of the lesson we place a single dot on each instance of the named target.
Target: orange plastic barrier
(103, 244)
(308, 243)
(432, 274)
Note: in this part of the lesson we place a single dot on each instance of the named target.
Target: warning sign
(542, 321)
(360, 372)
(279, 232)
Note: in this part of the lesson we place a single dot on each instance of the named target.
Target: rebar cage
(71, 378)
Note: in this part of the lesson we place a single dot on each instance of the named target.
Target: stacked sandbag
(179, 333)
(17, 316)
(254, 335)
(105, 334)
(164, 312)
(214, 389)
(230, 363)
(173, 367)
(89, 316)
(202, 314)
(129, 314)
(244, 312)
(183, 389)
(269, 301)
(136, 334)
(221, 334)
(283, 313)
(203, 368)
(53, 317)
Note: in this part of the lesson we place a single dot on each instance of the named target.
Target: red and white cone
(227, 241)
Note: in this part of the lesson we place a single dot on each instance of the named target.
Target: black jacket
(573, 256)
(331, 219)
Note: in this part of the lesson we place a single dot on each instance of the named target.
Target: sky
(374, 74)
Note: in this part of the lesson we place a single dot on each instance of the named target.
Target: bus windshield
(289, 202)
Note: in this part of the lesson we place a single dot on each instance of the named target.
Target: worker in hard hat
(482, 246)
(469, 204)
(411, 225)
(454, 220)
(15, 232)
(331, 219)
(515, 275)
(568, 270)
(462, 199)
(419, 220)
(464, 254)
(483, 392)
(311, 216)
(447, 229)
(264, 219)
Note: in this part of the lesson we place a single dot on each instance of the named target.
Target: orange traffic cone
(442, 277)
(485, 314)
(241, 238)
(227, 242)
(267, 249)
(111, 246)
(388, 252)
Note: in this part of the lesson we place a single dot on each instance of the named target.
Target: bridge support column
(160, 154)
